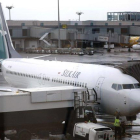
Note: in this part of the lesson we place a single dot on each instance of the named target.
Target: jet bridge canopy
(131, 68)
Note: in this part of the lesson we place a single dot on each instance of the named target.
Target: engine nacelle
(136, 47)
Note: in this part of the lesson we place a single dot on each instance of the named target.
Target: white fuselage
(32, 73)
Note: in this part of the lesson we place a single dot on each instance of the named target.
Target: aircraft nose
(134, 101)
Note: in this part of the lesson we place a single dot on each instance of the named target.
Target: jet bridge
(44, 108)
(131, 68)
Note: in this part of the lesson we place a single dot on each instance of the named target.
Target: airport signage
(103, 38)
(64, 26)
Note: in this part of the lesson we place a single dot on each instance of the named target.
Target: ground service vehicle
(92, 131)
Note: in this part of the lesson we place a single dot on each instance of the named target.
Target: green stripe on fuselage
(3, 54)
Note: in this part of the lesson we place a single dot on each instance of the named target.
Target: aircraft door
(98, 87)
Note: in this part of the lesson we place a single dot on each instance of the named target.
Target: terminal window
(95, 30)
(91, 24)
(41, 24)
(22, 24)
(124, 30)
(24, 32)
(110, 29)
(79, 30)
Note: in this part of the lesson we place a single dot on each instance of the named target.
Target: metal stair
(77, 104)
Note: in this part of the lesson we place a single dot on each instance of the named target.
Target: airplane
(117, 93)
(132, 41)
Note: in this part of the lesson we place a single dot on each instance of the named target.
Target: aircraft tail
(6, 47)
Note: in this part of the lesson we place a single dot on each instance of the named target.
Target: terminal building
(118, 27)
(123, 16)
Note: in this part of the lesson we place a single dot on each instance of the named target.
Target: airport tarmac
(101, 56)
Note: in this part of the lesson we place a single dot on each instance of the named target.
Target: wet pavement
(100, 56)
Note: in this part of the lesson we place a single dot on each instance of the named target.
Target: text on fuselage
(71, 74)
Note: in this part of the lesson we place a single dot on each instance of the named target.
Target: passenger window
(119, 87)
(114, 86)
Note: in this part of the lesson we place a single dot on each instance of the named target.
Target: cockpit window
(128, 86)
(125, 86)
(119, 87)
(137, 85)
(114, 86)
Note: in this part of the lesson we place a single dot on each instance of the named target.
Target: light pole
(59, 46)
(9, 7)
(79, 13)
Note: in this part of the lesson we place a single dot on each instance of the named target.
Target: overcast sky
(47, 9)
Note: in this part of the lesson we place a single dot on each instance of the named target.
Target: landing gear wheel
(24, 135)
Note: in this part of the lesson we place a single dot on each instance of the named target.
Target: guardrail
(74, 51)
